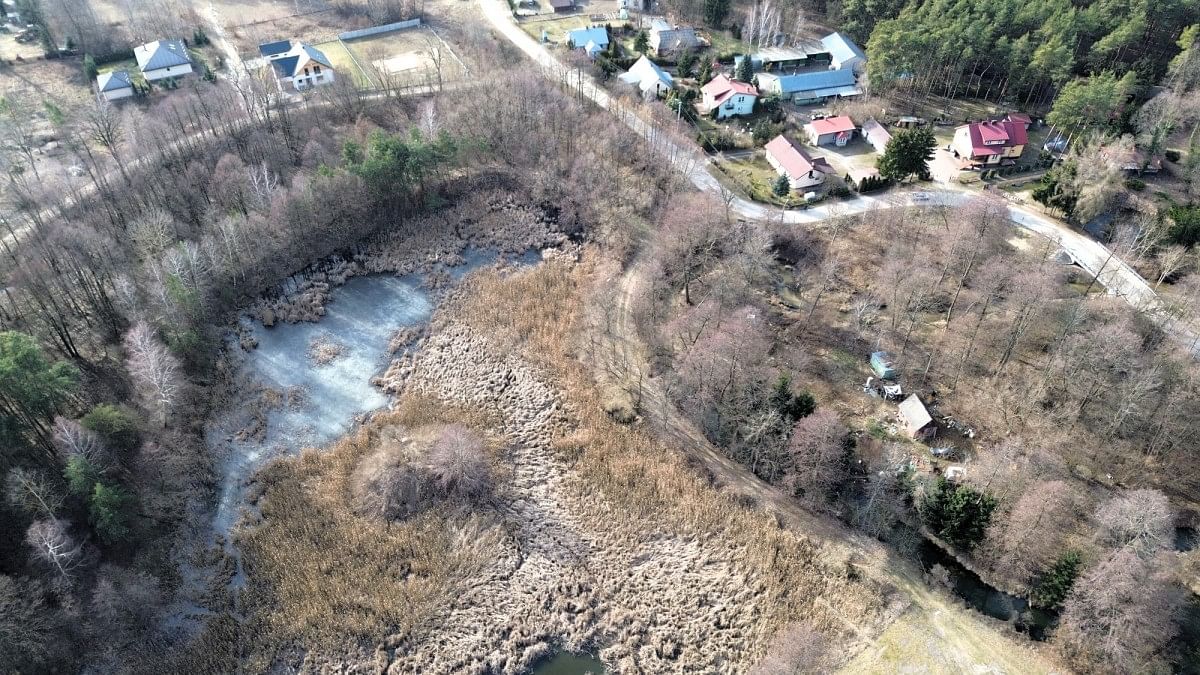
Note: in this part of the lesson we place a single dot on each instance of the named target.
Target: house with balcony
(991, 143)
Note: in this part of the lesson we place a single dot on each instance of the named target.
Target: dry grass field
(343, 63)
(411, 54)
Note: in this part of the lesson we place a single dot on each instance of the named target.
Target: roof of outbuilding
(161, 54)
(117, 79)
(832, 125)
(562, 4)
(841, 47)
(817, 79)
(914, 414)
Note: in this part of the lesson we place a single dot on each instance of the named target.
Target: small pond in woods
(568, 663)
(986, 599)
(361, 316)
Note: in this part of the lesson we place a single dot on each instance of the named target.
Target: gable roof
(876, 130)
(914, 414)
(841, 47)
(832, 125)
(562, 4)
(992, 138)
(814, 81)
(114, 81)
(720, 88)
(291, 62)
(646, 74)
(161, 54)
(275, 48)
(794, 160)
(581, 36)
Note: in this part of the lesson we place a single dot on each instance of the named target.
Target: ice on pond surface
(328, 394)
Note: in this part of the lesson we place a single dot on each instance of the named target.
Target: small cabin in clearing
(915, 419)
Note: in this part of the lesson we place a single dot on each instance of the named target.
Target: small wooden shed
(915, 419)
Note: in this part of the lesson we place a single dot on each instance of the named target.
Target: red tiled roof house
(989, 143)
(728, 97)
(830, 131)
(790, 160)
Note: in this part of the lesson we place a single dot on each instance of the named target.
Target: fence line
(376, 30)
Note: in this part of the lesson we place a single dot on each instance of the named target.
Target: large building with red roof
(790, 160)
(990, 143)
(728, 97)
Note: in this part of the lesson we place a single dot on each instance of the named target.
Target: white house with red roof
(801, 169)
(728, 97)
(830, 131)
(990, 143)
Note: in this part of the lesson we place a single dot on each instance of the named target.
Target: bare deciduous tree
(1119, 615)
(1172, 260)
(32, 491)
(155, 371)
(54, 545)
(818, 454)
(1139, 520)
(71, 439)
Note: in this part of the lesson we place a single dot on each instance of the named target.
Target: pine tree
(715, 11)
(745, 69)
(641, 43)
(908, 154)
(782, 187)
(107, 511)
(1057, 581)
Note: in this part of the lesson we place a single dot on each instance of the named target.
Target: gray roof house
(666, 38)
(114, 85)
(297, 65)
(648, 77)
(162, 59)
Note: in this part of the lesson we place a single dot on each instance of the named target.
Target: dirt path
(936, 634)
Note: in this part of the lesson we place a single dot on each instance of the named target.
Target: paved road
(1118, 277)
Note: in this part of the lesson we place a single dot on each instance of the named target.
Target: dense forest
(1020, 51)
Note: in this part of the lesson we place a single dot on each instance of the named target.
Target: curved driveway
(1119, 278)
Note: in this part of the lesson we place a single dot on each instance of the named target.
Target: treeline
(1014, 50)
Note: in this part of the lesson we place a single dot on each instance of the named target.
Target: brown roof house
(915, 419)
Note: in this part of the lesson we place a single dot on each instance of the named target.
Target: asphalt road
(1119, 278)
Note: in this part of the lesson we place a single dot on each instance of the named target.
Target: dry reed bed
(599, 537)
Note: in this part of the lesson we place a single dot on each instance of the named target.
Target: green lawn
(556, 28)
(757, 179)
(723, 43)
(343, 63)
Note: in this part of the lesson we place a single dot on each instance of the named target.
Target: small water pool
(569, 663)
(986, 599)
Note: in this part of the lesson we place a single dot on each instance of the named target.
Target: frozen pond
(360, 320)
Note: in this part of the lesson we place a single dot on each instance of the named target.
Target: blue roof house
(593, 40)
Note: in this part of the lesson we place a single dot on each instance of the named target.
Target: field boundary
(379, 30)
(357, 64)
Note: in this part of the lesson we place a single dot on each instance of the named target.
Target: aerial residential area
(553, 337)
